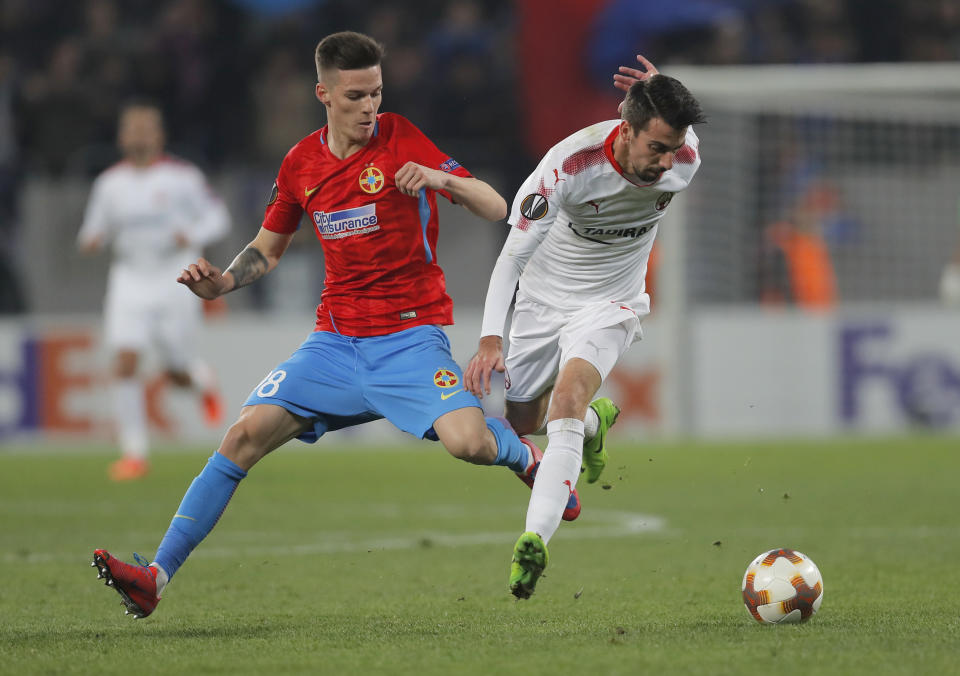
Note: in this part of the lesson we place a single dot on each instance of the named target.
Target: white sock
(529, 460)
(130, 417)
(162, 577)
(202, 376)
(557, 476)
(591, 424)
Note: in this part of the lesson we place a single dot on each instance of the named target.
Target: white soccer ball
(782, 585)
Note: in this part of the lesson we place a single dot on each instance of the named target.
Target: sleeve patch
(449, 165)
(273, 194)
(534, 206)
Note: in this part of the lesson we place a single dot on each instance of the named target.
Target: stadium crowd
(234, 83)
(237, 90)
(234, 88)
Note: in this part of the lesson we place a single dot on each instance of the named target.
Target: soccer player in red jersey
(369, 182)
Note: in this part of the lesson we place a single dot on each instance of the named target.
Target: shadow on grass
(144, 629)
(241, 627)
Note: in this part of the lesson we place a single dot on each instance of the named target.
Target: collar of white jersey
(608, 151)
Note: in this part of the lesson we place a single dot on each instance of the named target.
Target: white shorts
(157, 312)
(543, 339)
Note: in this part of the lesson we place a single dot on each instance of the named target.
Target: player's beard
(651, 174)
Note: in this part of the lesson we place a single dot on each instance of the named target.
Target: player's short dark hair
(348, 51)
(664, 97)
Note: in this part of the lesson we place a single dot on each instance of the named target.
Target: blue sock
(510, 451)
(199, 511)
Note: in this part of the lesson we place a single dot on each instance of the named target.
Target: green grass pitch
(339, 560)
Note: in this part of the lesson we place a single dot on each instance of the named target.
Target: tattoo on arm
(249, 266)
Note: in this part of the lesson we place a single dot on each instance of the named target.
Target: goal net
(857, 168)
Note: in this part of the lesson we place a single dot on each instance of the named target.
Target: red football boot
(212, 404)
(137, 585)
(572, 510)
(129, 468)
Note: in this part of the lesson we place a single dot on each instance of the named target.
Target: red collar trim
(608, 151)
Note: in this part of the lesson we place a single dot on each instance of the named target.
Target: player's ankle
(591, 424)
(162, 577)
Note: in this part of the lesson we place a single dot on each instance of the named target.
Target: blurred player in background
(950, 281)
(950, 275)
(157, 213)
(583, 226)
(369, 184)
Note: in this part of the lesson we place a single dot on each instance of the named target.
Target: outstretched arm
(489, 356)
(257, 259)
(477, 196)
(517, 250)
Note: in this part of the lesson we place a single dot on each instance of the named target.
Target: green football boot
(595, 450)
(529, 559)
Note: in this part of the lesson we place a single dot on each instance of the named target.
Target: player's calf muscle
(465, 436)
(526, 417)
(238, 445)
(257, 432)
(479, 451)
(475, 448)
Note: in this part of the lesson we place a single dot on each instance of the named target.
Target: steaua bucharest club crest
(445, 378)
(371, 180)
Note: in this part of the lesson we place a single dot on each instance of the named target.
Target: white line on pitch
(603, 524)
(620, 524)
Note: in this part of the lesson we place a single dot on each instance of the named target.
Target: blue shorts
(336, 381)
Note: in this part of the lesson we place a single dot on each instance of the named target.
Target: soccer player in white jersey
(583, 226)
(156, 213)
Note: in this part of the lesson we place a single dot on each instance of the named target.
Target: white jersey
(141, 210)
(582, 231)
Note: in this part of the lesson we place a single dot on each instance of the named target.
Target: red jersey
(379, 245)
